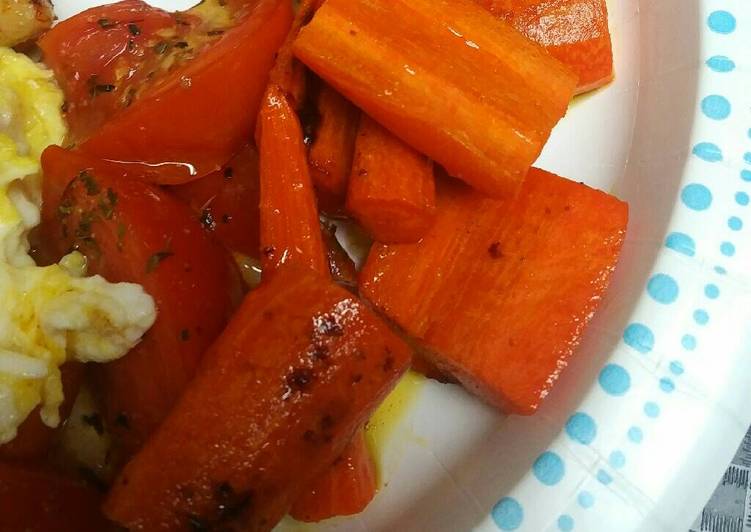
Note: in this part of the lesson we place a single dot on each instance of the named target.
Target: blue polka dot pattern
(701, 316)
(667, 385)
(565, 523)
(640, 337)
(549, 468)
(721, 22)
(581, 428)
(688, 342)
(735, 223)
(617, 459)
(635, 435)
(604, 477)
(720, 63)
(747, 157)
(615, 380)
(712, 291)
(720, 270)
(508, 514)
(585, 499)
(741, 198)
(682, 243)
(716, 107)
(676, 368)
(727, 249)
(651, 410)
(696, 197)
(663, 288)
(746, 175)
(708, 152)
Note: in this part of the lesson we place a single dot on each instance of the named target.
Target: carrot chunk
(280, 394)
(290, 229)
(500, 292)
(445, 76)
(333, 144)
(33, 499)
(391, 189)
(346, 488)
(575, 32)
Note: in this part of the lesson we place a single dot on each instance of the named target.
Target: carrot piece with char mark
(445, 76)
(290, 228)
(314, 360)
(131, 231)
(332, 148)
(345, 489)
(392, 188)
(575, 32)
(227, 202)
(34, 499)
(499, 292)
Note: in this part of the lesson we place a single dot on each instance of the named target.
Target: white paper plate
(651, 410)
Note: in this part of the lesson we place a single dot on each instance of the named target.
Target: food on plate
(500, 291)
(226, 201)
(150, 90)
(456, 84)
(51, 315)
(23, 20)
(36, 499)
(130, 230)
(275, 402)
(290, 229)
(184, 160)
(346, 488)
(332, 146)
(575, 32)
(391, 188)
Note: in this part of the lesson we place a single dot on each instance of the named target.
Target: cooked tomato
(34, 438)
(132, 231)
(227, 202)
(175, 94)
(33, 499)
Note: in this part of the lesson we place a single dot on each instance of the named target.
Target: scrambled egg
(54, 314)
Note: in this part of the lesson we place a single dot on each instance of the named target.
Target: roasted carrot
(333, 143)
(500, 292)
(445, 76)
(345, 489)
(341, 267)
(33, 499)
(227, 202)
(279, 395)
(290, 229)
(132, 231)
(391, 190)
(575, 32)
(34, 438)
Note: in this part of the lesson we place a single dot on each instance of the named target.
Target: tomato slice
(132, 231)
(227, 202)
(175, 94)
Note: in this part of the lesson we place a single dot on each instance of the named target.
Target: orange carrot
(314, 362)
(345, 489)
(445, 76)
(290, 229)
(330, 153)
(391, 189)
(573, 31)
(499, 292)
(33, 499)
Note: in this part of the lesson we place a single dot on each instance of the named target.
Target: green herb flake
(134, 29)
(106, 23)
(64, 209)
(156, 259)
(185, 335)
(161, 47)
